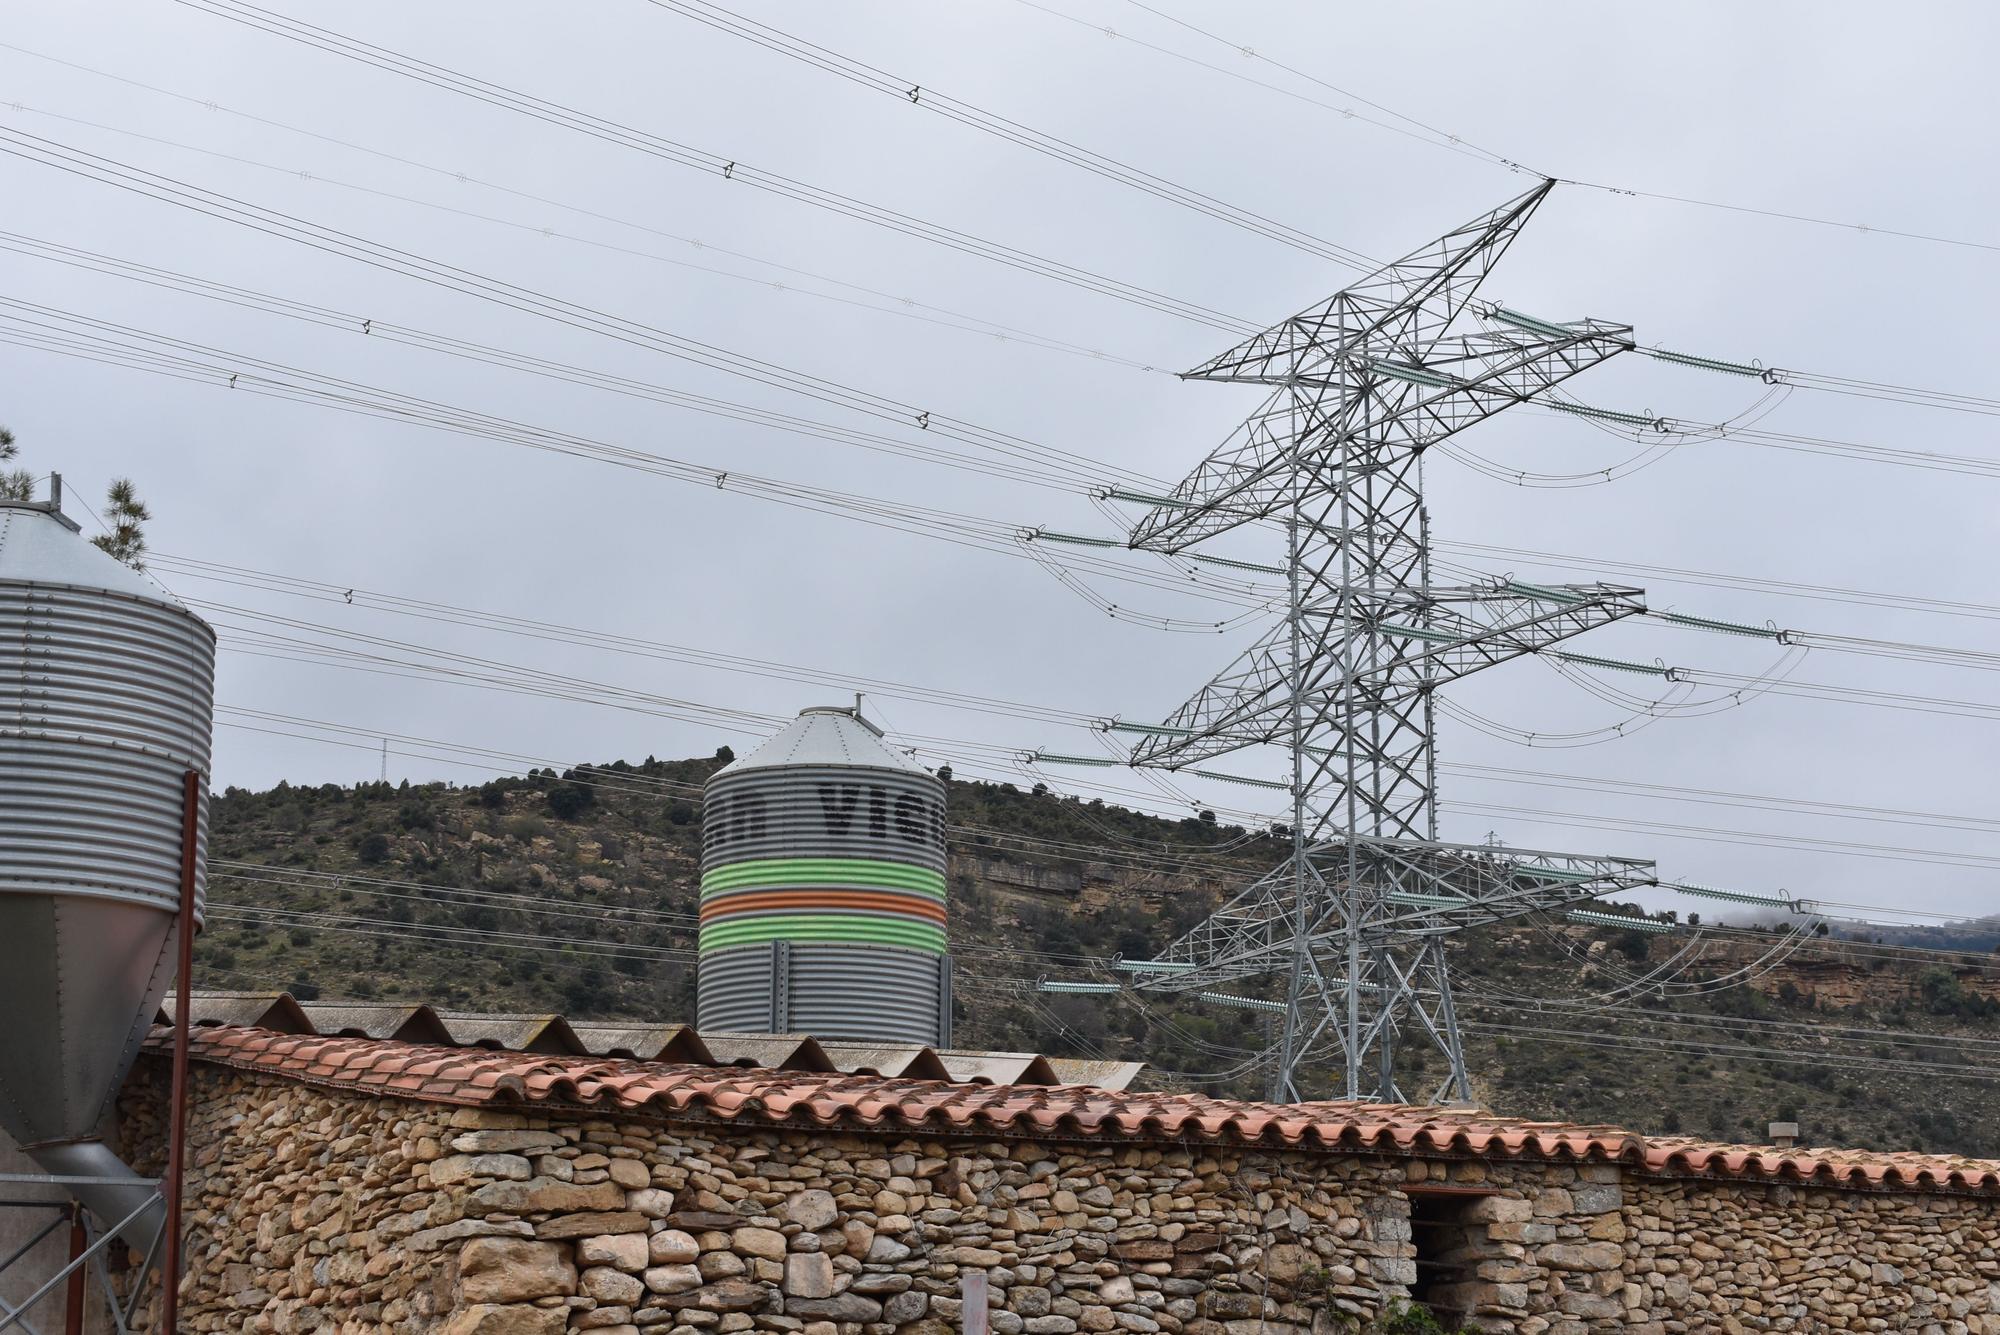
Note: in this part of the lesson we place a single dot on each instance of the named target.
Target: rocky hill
(577, 893)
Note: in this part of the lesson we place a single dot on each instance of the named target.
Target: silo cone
(823, 889)
(106, 697)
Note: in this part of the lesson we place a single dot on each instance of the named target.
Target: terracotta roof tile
(476, 1076)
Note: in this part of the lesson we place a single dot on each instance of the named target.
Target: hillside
(577, 892)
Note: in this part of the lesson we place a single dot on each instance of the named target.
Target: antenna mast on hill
(1357, 917)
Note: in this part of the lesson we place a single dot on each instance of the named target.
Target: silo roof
(39, 546)
(826, 736)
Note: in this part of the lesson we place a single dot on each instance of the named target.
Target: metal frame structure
(88, 1243)
(1357, 917)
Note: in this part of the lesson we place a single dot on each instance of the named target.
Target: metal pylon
(1356, 918)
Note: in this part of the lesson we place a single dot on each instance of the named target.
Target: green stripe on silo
(851, 928)
(863, 873)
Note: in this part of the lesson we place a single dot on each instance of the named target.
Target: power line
(1024, 461)
(449, 614)
(897, 305)
(901, 304)
(1724, 835)
(717, 165)
(1753, 583)
(92, 339)
(926, 98)
(1423, 133)
(1457, 143)
(408, 264)
(993, 539)
(1724, 797)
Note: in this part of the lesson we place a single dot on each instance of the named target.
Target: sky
(1820, 111)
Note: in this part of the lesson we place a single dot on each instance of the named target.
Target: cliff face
(578, 893)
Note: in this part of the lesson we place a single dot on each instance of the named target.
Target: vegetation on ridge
(576, 892)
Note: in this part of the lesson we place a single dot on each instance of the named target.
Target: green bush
(569, 800)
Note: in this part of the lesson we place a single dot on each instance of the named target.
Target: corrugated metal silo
(823, 889)
(106, 698)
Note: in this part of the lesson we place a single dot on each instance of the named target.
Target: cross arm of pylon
(1432, 888)
(1405, 302)
(1248, 703)
(1456, 640)
(1250, 934)
(1366, 403)
(1415, 888)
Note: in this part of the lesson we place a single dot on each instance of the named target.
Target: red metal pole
(73, 1296)
(170, 1257)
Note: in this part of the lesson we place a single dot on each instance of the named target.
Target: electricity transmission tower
(1356, 918)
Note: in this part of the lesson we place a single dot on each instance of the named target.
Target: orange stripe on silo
(906, 906)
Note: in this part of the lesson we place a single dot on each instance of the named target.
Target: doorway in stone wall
(1449, 1247)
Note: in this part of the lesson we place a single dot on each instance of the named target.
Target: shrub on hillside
(567, 801)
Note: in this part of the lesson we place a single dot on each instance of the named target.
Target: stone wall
(316, 1210)
(1744, 1258)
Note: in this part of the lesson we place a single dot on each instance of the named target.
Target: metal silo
(106, 693)
(823, 889)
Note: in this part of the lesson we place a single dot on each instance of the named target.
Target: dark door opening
(1449, 1249)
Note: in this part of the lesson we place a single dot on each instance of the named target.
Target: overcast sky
(1813, 109)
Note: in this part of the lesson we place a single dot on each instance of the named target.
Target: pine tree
(18, 485)
(125, 513)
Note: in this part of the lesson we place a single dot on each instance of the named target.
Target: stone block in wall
(767, 1243)
(1552, 1203)
(543, 1194)
(906, 1307)
(702, 1221)
(1144, 1249)
(1221, 1305)
(621, 1251)
(591, 1222)
(505, 1319)
(811, 1210)
(809, 1275)
(455, 1168)
(430, 1239)
(607, 1284)
(880, 1284)
(845, 1307)
(1597, 1307)
(505, 1142)
(671, 1279)
(1498, 1210)
(652, 1202)
(1597, 1197)
(671, 1246)
(1581, 1256)
(1530, 1233)
(512, 1270)
(733, 1295)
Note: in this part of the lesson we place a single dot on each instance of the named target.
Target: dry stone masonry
(318, 1209)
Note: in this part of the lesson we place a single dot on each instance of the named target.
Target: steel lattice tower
(1357, 916)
